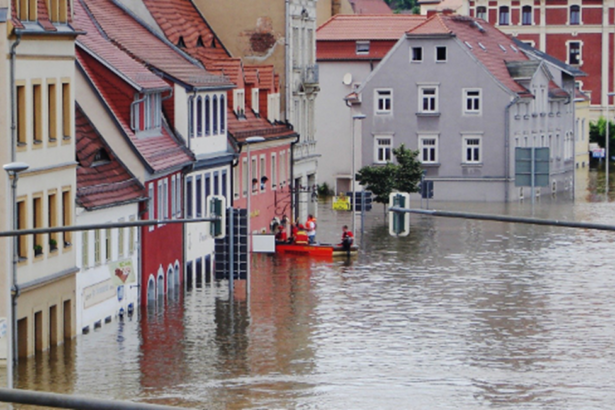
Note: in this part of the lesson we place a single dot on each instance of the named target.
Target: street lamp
(354, 199)
(606, 189)
(13, 169)
(248, 141)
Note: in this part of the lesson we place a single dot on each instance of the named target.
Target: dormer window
(57, 11)
(101, 157)
(362, 47)
(255, 98)
(181, 43)
(27, 10)
(239, 103)
(147, 112)
(199, 42)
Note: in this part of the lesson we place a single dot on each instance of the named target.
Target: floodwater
(461, 314)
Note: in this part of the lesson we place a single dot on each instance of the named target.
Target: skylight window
(482, 46)
(513, 48)
(468, 44)
(502, 47)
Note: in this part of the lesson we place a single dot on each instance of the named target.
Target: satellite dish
(347, 80)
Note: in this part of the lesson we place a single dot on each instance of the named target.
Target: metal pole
(533, 171)
(231, 241)
(606, 188)
(249, 258)
(11, 359)
(362, 215)
(354, 200)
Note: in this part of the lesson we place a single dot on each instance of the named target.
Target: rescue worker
(310, 226)
(301, 238)
(280, 236)
(347, 238)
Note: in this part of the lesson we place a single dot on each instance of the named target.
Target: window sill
(38, 142)
(472, 164)
(430, 164)
(427, 114)
(517, 117)
(384, 112)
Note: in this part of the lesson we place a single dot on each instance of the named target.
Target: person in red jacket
(347, 238)
(301, 238)
(281, 237)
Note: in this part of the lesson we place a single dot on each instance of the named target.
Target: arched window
(222, 114)
(215, 114)
(526, 15)
(199, 117)
(207, 117)
(191, 117)
(151, 290)
(575, 14)
(504, 16)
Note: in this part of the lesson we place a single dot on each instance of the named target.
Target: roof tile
(367, 27)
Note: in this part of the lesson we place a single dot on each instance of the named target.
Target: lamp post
(13, 169)
(354, 199)
(248, 142)
(606, 188)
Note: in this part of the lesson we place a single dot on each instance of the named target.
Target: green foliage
(597, 134)
(324, 191)
(399, 5)
(404, 176)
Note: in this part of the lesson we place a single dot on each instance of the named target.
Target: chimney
(431, 13)
(448, 12)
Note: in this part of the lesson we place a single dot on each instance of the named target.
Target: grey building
(466, 95)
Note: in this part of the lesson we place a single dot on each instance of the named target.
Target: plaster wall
(98, 288)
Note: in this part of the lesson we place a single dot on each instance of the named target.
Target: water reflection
(459, 314)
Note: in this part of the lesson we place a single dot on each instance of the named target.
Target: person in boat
(310, 226)
(301, 238)
(280, 236)
(347, 238)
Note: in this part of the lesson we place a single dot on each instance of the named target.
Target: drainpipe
(507, 145)
(133, 125)
(293, 206)
(13, 97)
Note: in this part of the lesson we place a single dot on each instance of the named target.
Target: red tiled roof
(158, 152)
(141, 44)
(367, 27)
(232, 68)
(106, 183)
(370, 7)
(252, 126)
(179, 18)
(95, 43)
(251, 75)
(489, 45)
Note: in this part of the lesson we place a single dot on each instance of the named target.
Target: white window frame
(435, 54)
(362, 47)
(274, 171)
(485, 15)
(500, 14)
(239, 102)
(580, 23)
(151, 205)
(245, 184)
(422, 96)
(255, 98)
(382, 151)
(422, 146)
(282, 167)
(254, 175)
(568, 43)
(521, 10)
(262, 169)
(412, 59)
(474, 99)
(173, 197)
(469, 143)
(380, 95)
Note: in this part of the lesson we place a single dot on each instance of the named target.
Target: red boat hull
(314, 250)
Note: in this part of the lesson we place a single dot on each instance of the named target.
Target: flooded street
(460, 314)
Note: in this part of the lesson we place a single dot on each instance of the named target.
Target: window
(282, 168)
(207, 189)
(52, 204)
(214, 110)
(21, 115)
(37, 222)
(263, 177)
(199, 116)
(471, 150)
(428, 99)
(191, 117)
(108, 244)
(244, 176)
(189, 198)
(150, 205)
(97, 247)
(173, 197)
(274, 171)
(384, 102)
(254, 172)
(52, 128)
(504, 16)
(382, 150)
(27, 10)
(236, 186)
(240, 103)
(207, 116)
(526, 15)
(224, 182)
(216, 183)
(22, 242)
(120, 240)
(66, 111)
(575, 14)
(481, 12)
(428, 149)
(255, 97)
(472, 101)
(67, 206)
(160, 211)
(574, 53)
(440, 54)
(416, 54)
(131, 237)
(222, 114)
(85, 251)
(146, 113)
(362, 47)
(199, 196)
(178, 196)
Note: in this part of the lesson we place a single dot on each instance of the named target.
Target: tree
(404, 176)
(400, 5)
(597, 134)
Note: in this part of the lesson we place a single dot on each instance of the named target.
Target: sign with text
(98, 293)
(341, 203)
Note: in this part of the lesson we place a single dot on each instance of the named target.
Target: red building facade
(578, 32)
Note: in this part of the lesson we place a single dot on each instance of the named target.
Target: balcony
(304, 150)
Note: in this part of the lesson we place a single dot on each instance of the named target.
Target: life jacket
(301, 238)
